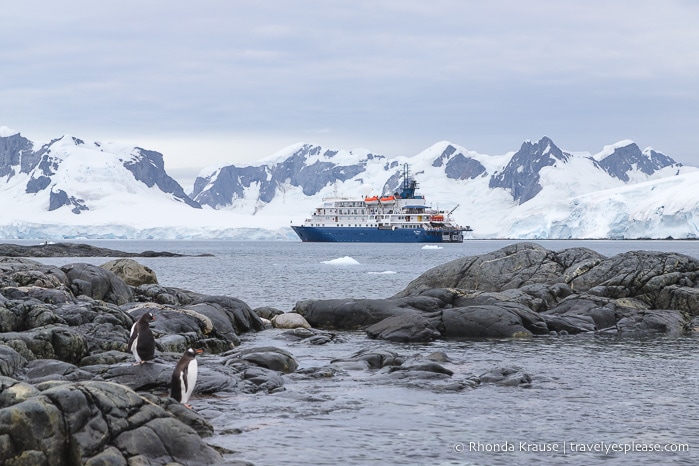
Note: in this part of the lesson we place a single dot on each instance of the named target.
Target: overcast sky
(230, 82)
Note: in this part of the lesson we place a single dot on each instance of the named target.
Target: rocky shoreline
(73, 250)
(70, 394)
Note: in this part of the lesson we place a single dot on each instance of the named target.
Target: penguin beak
(198, 351)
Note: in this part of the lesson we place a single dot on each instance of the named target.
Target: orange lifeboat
(437, 218)
(388, 200)
(371, 200)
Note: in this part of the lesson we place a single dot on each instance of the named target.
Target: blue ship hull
(376, 235)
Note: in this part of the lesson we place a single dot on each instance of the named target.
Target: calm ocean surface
(591, 395)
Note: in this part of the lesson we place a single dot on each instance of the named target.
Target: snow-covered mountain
(525, 194)
(72, 188)
(67, 172)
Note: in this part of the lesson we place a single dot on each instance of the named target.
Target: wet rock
(571, 324)
(311, 336)
(372, 359)
(267, 312)
(421, 364)
(349, 314)
(406, 328)
(272, 358)
(648, 322)
(507, 376)
(256, 379)
(487, 321)
(602, 311)
(694, 324)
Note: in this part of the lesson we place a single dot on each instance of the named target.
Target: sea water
(593, 399)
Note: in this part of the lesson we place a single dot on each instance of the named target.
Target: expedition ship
(399, 218)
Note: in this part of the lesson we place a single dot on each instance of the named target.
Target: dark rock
(13, 392)
(42, 370)
(514, 266)
(106, 358)
(88, 422)
(421, 364)
(350, 314)
(11, 361)
(176, 328)
(240, 314)
(185, 415)
(104, 326)
(648, 322)
(507, 376)
(373, 359)
(409, 327)
(644, 275)
(163, 295)
(311, 336)
(97, 283)
(602, 311)
(267, 312)
(51, 342)
(72, 250)
(256, 379)
(272, 358)
(485, 321)
(570, 324)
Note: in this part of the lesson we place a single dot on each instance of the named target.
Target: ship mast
(409, 185)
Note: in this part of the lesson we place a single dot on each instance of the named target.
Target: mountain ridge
(527, 193)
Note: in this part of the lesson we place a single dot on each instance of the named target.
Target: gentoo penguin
(142, 341)
(184, 377)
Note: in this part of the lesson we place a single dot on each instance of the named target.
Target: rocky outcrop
(69, 391)
(525, 289)
(73, 250)
(63, 423)
(97, 283)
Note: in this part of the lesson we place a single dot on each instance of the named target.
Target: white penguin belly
(134, 350)
(191, 379)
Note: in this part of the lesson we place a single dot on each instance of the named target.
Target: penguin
(184, 377)
(142, 341)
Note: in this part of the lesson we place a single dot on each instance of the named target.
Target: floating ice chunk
(347, 260)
